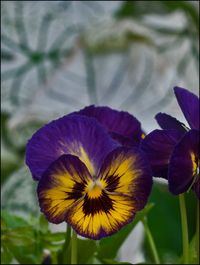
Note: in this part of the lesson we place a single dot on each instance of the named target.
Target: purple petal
(62, 184)
(158, 146)
(124, 141)
(114, 121)
(72, 134)
(169, 123)
(189, 104)
(183, 163)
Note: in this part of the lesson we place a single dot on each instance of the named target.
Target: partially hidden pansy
(121, 125)
(174, 151)
(85, 177)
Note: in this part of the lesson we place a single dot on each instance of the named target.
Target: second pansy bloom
(174, 151)
(87, 177)
(121, 125)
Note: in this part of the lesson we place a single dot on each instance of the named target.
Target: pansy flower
(85, 177)
(174, 151)
(121, 125)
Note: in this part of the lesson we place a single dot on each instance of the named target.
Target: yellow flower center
(94, 189)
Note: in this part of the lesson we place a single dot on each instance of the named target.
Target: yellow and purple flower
(174, 151)
(85, 177)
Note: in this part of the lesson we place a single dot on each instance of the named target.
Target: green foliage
(27, 240)
(164, 223)
(18, 238)
(108, 247)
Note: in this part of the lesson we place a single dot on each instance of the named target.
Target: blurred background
(59, 56)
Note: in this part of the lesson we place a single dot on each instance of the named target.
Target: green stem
(151, 242)
(63, 257)
(74, 248)
(184, 229)
(197, 233)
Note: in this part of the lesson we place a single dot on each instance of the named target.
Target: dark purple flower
(71, 134)
(158, 146)
(184, 164)
(172, 152)
(85, 177)
(122, 126)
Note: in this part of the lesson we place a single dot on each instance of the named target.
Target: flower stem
(151, 242)
(184, 229)
(63, 257)
(197, 233)
(74, 248)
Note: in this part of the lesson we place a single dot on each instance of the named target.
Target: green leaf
(6, 256)
(192, 252)
(165, 225)
(86, 250)
(12, 221)
(22, 244)
(108, 247)
(19, 236)
(55, 237)
(43, 224)
(193, 259)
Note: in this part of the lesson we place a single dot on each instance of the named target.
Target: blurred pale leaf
(60, 56)
(18, 193)
(138, 8)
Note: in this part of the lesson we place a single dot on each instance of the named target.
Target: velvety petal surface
(122, 188)
(62, 185)
(124, 140)
(158, 146)
(189, 104)
(119, 122)
(168, 122)
(72, 134)
(127, 172)
(96, 207)
(184, 163)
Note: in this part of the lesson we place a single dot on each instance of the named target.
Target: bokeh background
(59, 56)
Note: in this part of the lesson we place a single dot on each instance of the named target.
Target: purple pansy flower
(85, 177)
(174, 151)
(121, 125)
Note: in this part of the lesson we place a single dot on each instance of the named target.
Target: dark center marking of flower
(96, 205)
(77, 191)
(113, 182)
